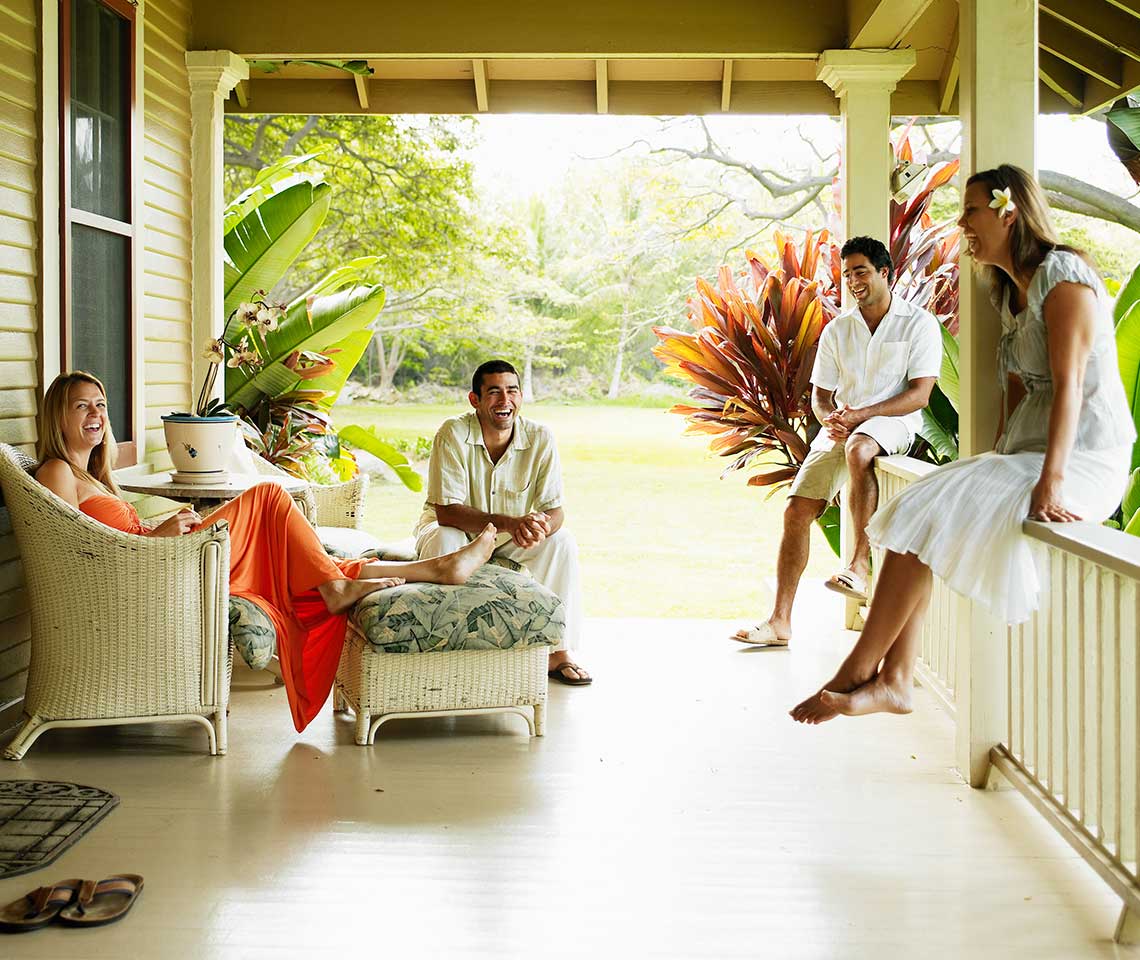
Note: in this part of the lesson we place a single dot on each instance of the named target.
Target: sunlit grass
(659, 533)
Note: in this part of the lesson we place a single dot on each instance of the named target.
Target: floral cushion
(496, 609)
(252, 633)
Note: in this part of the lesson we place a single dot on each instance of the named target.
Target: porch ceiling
(637, 56)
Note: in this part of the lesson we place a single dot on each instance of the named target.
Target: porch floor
(672, 810)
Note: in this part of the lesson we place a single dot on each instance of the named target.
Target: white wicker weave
(125, 629)
(387, 686)
(340, 504)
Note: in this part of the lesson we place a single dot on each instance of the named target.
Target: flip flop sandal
(38, 908)
(848, 584)
(102, 902)
(761, 635)
(558, 673)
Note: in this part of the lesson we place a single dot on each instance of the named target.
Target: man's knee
(801, 511)
(861, 452)
(438, 540)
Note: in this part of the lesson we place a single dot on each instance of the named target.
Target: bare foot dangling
(455, 568)
(877, 696)
(340, 595)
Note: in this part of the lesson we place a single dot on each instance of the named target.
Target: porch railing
(1071, 740)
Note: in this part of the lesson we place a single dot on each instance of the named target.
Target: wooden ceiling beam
(1109, 25)
(1100, 95)
(726, 87)
(881, 23)
(479, 74)
(1062, 78)
(948, 81)
(1128, 6)
(361, 90)
(1082, 51)
(241, 91)
(602, 79)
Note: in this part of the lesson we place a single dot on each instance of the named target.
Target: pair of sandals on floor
(73, 903)
(846, 582)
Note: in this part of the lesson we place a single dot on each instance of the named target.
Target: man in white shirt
(491, 465)
(874, 369)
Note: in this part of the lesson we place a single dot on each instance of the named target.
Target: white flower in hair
(1003, 202)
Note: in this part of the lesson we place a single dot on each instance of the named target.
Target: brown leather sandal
(38, 908)
(103, 901)
(559, 673)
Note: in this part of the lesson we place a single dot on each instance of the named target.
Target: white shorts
(824, 472)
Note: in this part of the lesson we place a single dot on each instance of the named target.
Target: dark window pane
(100, 316)
(100, 109)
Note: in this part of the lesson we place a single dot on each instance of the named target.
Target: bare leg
(862, 497)
(799, 514)
(453, 568)
(902, 588)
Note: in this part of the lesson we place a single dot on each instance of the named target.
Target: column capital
(867, 69)
(215, 71)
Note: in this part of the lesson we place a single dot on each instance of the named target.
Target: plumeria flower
(244, 357)
(1003, 202)
(214, 352)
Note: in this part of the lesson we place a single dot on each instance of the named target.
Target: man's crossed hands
(531, 530)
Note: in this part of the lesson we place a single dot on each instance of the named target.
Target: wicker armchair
(125, 629)
(340, 504)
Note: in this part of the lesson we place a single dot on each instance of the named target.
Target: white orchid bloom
(214, 352)
(1003, 202)
(244, 357)
(267, 318)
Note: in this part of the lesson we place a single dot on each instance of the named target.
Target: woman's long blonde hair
(51, 445)
(1033, 236)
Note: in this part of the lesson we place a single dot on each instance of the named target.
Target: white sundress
(964, 520)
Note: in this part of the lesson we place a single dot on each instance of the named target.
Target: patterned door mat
(40, 819)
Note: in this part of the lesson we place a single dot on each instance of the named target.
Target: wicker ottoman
(428, 650)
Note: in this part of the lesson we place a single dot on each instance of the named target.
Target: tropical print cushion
(496, 609)
(252, 633)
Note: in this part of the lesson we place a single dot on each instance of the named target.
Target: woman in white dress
(1063, 451)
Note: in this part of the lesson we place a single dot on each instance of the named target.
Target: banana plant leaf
(265, 243)
(1128, 354)
(948, 380)
(940, 426)
(332, 319)
(365, 438)
(1131, 502)
(345, 355)
(1127, 297)
(269, 180)
(829, 522)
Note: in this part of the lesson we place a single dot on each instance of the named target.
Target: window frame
(127, 10)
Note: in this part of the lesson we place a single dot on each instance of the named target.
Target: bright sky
(523, 154)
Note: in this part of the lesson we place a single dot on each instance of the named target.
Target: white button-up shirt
(864, 368)
(527, 478)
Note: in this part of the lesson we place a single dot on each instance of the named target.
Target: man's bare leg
(862, 497)
(799, 514)
(452, 568)
(902, 588)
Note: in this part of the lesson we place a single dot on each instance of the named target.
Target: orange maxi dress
(276, 562)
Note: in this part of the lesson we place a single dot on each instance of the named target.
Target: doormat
(40, 819)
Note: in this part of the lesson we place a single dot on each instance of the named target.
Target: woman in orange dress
(276, 558)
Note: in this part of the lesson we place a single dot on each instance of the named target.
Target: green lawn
(659, 533)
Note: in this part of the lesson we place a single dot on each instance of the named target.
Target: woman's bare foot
(340, 595)
(815, 709)
(455, 568)
(881, 695)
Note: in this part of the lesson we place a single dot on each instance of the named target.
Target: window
(97, 230)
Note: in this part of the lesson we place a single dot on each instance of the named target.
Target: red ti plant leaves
(749, 356)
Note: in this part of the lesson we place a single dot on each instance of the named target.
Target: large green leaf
(270, 179)
(365, 438)
(265, 243)
(948, 380)
(939, 434)
(1128, 353)
(829, 522)
(346, 355)
(1131, 502)
(332, 319)
(1126, 299)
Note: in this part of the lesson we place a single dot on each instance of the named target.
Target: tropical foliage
(296, 366)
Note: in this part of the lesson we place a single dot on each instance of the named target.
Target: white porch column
(864, 80)
(998, 98)
(213, 74)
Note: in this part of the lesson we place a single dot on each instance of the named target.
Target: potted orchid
(200, 443)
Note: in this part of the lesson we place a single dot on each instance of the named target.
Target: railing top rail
(903, 466)
(1112, 549)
